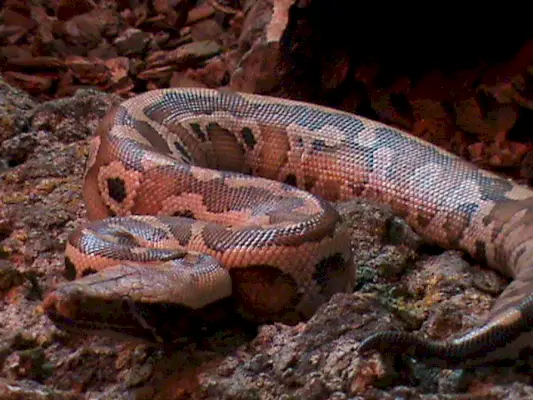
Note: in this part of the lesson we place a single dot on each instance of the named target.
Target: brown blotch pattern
(182, 230)
(249, 138)
(153, 136)
(228, 151)
(198, 131)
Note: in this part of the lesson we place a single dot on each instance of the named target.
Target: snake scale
(196, 196)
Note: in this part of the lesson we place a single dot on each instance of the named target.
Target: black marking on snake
(290, 179)
(182, 150)
(117, 189)
(470, 209)
(248, 137)
(198, 131)
(319, 145)
(70, 269)
(183, 213)
(125, 238)
(88, 271)
(180, 234)
(132, 229)
(309, 182)
(493, 189)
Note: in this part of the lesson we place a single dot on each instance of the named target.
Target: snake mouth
(155, 323)
(93, 327)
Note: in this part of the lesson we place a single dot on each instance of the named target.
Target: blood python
(199, 196)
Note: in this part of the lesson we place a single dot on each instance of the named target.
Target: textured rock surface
(397, 290)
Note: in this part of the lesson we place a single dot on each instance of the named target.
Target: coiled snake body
(202, 187)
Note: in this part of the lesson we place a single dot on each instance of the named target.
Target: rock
(67, 9)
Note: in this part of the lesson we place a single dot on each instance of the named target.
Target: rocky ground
(64, 63)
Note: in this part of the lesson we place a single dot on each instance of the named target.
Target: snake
(196, 196)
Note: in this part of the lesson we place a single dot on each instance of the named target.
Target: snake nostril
(55, 305)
